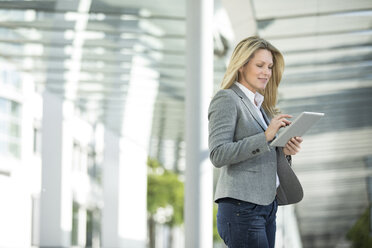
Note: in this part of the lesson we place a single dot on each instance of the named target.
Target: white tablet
(298, 127)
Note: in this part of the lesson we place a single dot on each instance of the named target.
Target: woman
(254, 177)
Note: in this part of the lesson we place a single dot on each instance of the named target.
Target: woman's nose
(266, 71)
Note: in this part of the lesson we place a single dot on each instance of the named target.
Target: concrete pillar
(287, 230)
(56, 195)
(136, 130)
(368, 161)
(57, 143)
(82, 226)
(110, 209)
(199, 87)
(125, 164)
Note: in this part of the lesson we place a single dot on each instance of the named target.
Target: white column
(287, 230)
(82, 227)
(199, 87)
(136, 130)
(125, 164)
(110, 237)
(56, 195)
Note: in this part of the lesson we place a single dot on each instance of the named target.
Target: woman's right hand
(276, 123)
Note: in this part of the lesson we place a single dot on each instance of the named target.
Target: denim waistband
(231, 200)
(235, 201)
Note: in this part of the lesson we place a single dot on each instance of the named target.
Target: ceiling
(89, 58)
(328, 52)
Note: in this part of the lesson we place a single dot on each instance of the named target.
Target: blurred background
(93, 99)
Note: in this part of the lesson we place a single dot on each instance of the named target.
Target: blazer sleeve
(223, 116)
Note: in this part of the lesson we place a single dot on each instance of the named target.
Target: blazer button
(254, 152)
(258, 150)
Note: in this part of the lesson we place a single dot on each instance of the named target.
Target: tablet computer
(297, 128)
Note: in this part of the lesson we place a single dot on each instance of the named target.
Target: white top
(257, 100)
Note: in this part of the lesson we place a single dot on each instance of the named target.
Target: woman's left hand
(293, 146)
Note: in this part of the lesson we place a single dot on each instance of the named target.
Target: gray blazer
(248, 164)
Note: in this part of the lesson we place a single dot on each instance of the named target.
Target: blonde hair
(242, 53)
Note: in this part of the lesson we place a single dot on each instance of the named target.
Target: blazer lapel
(267, 119)
(248, 104)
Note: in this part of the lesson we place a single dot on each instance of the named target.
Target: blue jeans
(246, 225)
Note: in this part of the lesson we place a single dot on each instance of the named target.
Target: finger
(286, 151)
(296, 145)
(289, 149)
(283, 116)
(287, 122)
(295, 142)
(299, 139)
(289, 145)
(293, 145)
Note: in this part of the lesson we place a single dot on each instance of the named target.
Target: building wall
(21, 165)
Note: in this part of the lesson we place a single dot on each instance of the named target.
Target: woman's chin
(262, 87)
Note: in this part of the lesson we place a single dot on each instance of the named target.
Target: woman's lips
(263, 79)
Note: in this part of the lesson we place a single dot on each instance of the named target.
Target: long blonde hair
(243, 52)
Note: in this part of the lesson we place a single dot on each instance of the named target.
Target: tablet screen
(297, 128)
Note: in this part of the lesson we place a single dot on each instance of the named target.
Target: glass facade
(10, 131)
(9, 78)
(10, 109)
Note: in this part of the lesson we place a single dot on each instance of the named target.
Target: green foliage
(153, 163)
(164, 189)
(216, 236)
(359, 234)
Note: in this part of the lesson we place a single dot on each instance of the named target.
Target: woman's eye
(260, 66)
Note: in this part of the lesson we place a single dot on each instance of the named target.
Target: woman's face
(256, 73)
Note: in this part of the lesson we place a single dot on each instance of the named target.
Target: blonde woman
(254, 177)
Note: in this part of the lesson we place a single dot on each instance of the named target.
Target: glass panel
(15, 109)
(37, 141)
(93, 225)
(10, 128)
(8, 148)
(9, 107)
(89, 233)
(9, 77)
(14, 149)
(75, 223)
(4, 103)
(76, 155)
(3, 127)
(3, 147)
(14, 130)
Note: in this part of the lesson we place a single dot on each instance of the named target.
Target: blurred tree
(216, 236)
(164, 189)
(359, 234)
